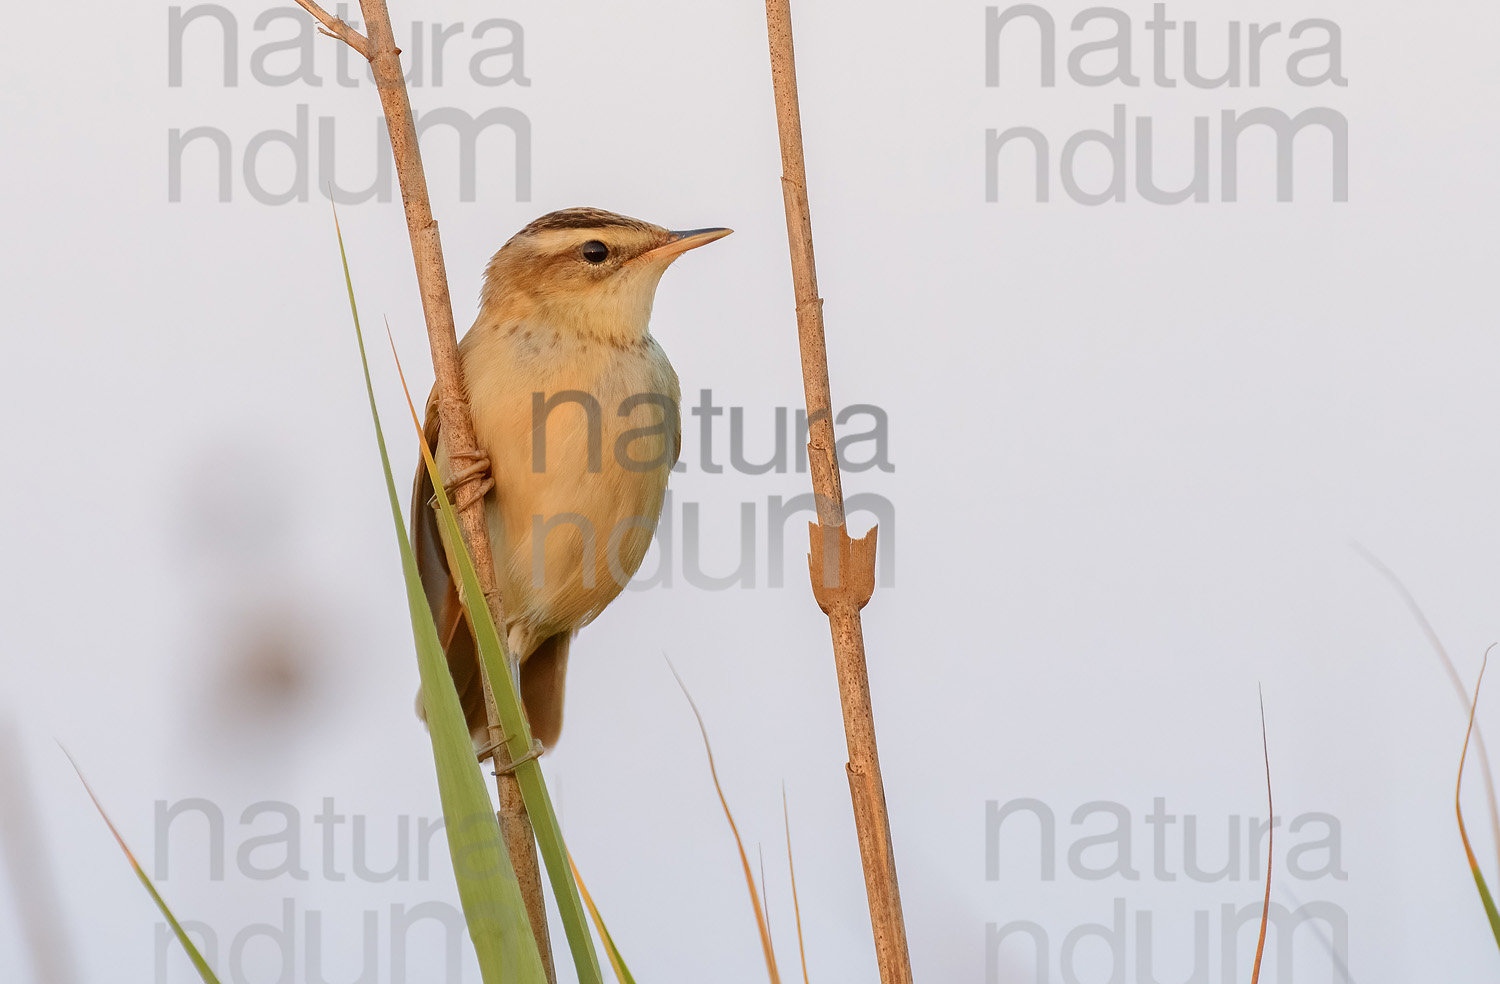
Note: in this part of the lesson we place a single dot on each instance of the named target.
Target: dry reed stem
(379, 48)
(843, 570)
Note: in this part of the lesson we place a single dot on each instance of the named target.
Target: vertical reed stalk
(842, 569)
(379, 48)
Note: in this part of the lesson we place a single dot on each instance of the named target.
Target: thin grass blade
(1480, 748)
(1484, 890)
(487, 886)
(786, 815)
(495, 662)
(765, 894)
(201, 965)
(616, 961)
(760, 915)
(1265, 910)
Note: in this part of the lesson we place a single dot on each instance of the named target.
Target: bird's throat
(616, 311)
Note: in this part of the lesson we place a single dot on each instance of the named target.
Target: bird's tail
(542, 678)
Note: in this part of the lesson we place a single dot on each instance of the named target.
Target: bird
(576, 423)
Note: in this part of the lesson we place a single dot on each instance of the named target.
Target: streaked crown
(585, 267)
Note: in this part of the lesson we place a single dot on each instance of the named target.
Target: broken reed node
(842, 570)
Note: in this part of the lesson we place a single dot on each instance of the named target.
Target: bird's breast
(581, 433)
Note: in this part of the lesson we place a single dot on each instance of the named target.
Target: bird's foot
(478, 467)
(537, 748)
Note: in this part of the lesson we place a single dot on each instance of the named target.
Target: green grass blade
(1484, 890)
(487, 886)
(496, 663)
(204, 971)
(1489, 903)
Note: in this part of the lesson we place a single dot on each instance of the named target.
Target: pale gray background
(1132, 446)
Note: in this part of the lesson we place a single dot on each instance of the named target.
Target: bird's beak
(681, 242)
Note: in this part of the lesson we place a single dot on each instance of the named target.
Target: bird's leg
(478, 467)
(516, 641)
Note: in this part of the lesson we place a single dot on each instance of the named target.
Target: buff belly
(567, 537)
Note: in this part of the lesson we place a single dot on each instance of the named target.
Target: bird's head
(585, 269)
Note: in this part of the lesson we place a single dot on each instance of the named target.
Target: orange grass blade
(201, 965)
(1484, 890)
(786, 815)
(1265, 911)
(1480, 749)
(615, 960)
(760, 916)
(765, 893)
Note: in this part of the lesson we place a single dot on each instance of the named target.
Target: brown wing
(542, 673)
(442, 590)
(676, 440)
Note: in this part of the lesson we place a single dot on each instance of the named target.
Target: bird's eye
(595, 252)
